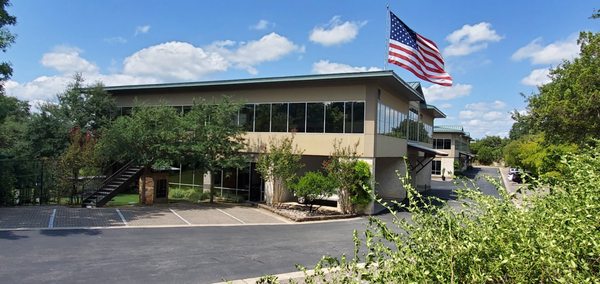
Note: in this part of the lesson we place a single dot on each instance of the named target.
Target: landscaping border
(305, 218)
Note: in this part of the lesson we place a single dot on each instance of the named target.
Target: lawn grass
(124, 199)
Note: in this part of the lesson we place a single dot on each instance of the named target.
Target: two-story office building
(386, 117)
(454, 141)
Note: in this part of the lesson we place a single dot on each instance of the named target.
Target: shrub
(188, 193)
(549, 237)
(313, 186)
(361, 192)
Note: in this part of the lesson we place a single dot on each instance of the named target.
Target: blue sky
(494, 50)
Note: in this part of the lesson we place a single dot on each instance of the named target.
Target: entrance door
(256, 185)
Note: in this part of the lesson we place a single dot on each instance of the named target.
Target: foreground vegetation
(547, 238)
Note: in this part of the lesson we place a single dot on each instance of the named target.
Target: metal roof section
(451, 129)
(387, 78)
(425, 149)
(437, 113)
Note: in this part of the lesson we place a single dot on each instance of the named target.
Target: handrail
(84, 193)
(108, 179)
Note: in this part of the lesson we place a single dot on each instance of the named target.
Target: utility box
(156, 187)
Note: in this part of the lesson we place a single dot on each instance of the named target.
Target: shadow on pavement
(10, 235)
(62, 233)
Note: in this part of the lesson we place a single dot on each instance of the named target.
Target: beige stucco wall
(387, 146)
(263, 95)
(312, 143)
(387, 182)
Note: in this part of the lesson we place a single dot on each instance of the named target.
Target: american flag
(416, 53)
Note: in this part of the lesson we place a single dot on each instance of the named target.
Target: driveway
(54, 217)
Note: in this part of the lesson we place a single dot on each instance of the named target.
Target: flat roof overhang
(425, 149)
(386, 79)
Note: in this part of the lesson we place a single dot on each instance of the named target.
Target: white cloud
(469, 39)
(537, 77)
(262, 25)
(325, 67)
(486, 118)
(67, 59)
(247, 55)
(170, 61)
(336, 32)
(441, 93)
(446, 106)
(142, 29)
(174, 61)
(485, 106)
(552, 53)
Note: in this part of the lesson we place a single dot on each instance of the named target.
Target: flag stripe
(426, 62)
(416, 53)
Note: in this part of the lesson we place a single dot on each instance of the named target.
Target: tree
(150, 137)
(313, 186)
(213, 141)
(566, 109)
(280, 165)
(488, 149)
(350, 177)
(86, 108)
(6, 40)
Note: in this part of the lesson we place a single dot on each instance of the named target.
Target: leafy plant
(541, 238)
(313, 186)
(279, 165)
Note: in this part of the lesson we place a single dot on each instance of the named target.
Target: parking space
(57, 217)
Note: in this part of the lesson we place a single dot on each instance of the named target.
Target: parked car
(514, 174)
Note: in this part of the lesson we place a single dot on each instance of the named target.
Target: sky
(494, 50)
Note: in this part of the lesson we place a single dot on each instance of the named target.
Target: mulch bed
(299, 213)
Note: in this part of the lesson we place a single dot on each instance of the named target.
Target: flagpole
(387, 36)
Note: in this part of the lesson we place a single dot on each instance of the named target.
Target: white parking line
(184, 220)
(122, 217)
(231, 216)
(51, 221)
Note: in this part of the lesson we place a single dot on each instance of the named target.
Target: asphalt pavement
(181, 254)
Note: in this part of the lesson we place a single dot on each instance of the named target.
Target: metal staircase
(111, 186)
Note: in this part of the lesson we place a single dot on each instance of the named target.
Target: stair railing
(106, 181)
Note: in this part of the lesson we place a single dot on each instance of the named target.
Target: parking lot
(172, 215)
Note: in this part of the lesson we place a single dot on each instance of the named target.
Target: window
(279, 116)
(442, 144)
(315, 113)
(262, 118)
(297, 117)
(358, 117)
(413, 129)
(436, 167)
(246, 118)
(334, 117)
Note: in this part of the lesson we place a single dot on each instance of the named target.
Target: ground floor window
(240, 184)
(436, 167)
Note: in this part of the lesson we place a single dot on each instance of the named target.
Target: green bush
(360, 194)
(551, 236)
(188, 193)
(313, 186)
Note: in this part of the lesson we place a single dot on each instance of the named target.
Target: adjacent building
(387, 118)
(454, 141)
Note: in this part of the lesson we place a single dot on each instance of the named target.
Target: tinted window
(314, 117)
(297, 117)
(262, 118)
(355, 117)
(246, 118)
(279, 113)
(334, 118)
